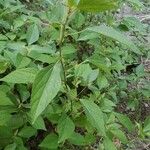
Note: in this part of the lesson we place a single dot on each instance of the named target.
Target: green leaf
(4, 117)
(3, 66)
(73, 2)
(147, 124)
(50, 49)
(45, 87)
(43, 57)
(107, 105)
(134, 24)
(50, 142)
(27, 132)
(5, 132)
(96, 115)
(140, 70)
(19, 142)
(86, 35)
(11, 147)
(10, 56)
(146, 91)
(16, 121)
(57, 14)
(65, 128)
(96, 5)
(39, 124)
(5, 136)
(137, 3)
(93, 75)
(83, 70)
(4, 99)
(68, 49)
(120, 135)
(109, 145)
(116, 35)
(3, 37)
(78, 21)
(102, 82)
(86, 73)
(16, 45)
(23, 92)
(22, 61)
(125, 121)
(25, 75)
(32, 34)
(90, 139)
(77, 139)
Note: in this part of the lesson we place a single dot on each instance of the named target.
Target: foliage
(64, 74)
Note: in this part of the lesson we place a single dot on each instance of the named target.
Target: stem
(81, 91)
(61, 38)
(62, 34)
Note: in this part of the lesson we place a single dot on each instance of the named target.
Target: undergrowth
(73, 75)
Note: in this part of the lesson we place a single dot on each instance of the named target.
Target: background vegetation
(74, 74)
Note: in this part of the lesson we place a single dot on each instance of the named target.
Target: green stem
(61, 38)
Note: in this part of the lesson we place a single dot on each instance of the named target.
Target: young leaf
(50, 142)
(45, 87)
(32, 34)
(96, 115)
(96, 5)
(65, 128)
(25, 75)
(116, 35)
